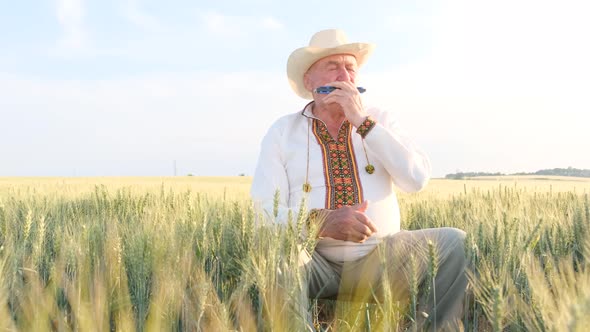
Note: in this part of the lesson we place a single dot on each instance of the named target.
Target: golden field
(187, 254)
(239, 186)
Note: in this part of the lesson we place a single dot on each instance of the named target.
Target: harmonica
(324, 90)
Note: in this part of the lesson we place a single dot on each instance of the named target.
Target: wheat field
(186, 254)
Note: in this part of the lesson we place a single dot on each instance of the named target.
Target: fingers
(349, 99)
(365, 221)
(362, 229)
(362, 207)
(349, 223)
(337, 97)
(359, 233)
(343, 85)
(344, 94)
(345, 90)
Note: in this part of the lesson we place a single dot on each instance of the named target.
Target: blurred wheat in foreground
(161, 259)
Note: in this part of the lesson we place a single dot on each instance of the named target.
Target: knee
(454, 240)
(455, 236)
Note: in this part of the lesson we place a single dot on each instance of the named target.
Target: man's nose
(343, 75)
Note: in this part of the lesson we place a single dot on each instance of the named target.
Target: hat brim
(303, 58)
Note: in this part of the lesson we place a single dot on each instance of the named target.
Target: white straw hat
(321, 45)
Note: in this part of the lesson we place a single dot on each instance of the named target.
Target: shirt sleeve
(270, 180)
(407, 165)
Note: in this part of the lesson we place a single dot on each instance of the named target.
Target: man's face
(338, 67)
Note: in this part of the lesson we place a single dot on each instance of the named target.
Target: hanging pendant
(306, 187)
(370, 168)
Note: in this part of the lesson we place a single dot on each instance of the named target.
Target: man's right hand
(348, 223)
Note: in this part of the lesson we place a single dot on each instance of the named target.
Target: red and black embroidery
(366, 126)
(343, 186)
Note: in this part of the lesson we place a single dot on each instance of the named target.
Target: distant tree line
(570, 171)
(462, 175)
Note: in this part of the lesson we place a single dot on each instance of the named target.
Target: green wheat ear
(497, 308)
(432, 271)
(276, 201)
(413, 278)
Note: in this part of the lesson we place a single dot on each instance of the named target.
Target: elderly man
(345, 160)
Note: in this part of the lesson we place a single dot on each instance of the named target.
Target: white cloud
(488, 131)
(220, 24)
(530, 47)
(504, 88)
(238, 26)
(6, 61)
(70, 15)
(137, 126)
(271, 23)
(140, 18)
(407, 22)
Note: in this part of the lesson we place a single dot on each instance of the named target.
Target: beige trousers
(401, 260)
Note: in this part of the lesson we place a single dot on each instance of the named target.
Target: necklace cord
(307, 171)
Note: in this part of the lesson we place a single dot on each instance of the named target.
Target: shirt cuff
(315, 220)
(313, 216)
(366, 126)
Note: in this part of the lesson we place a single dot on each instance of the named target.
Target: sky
(154, 88)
